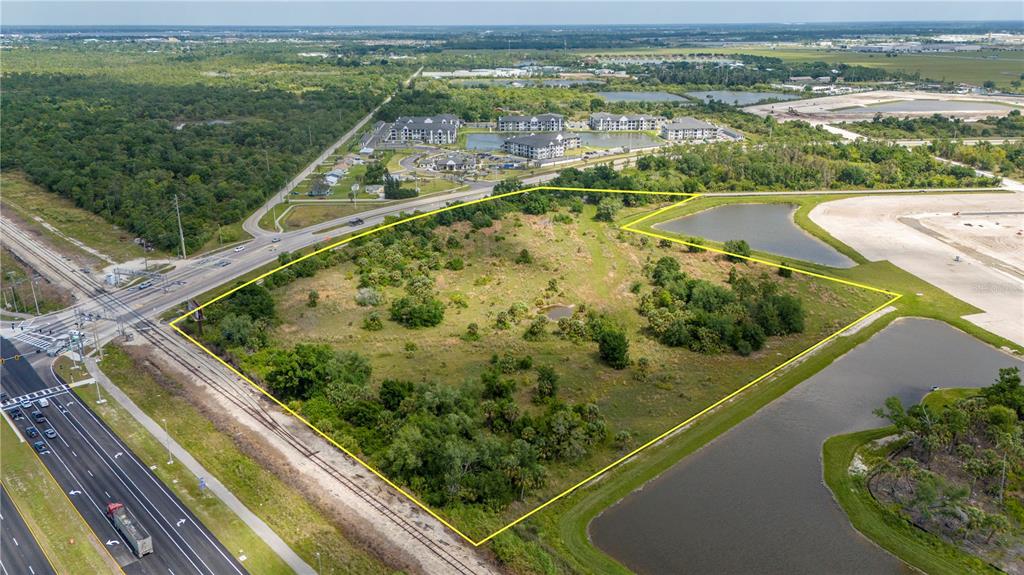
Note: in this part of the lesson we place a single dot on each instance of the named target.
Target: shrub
(367, 296)
(373, 322)
(472, 332)
(537, 329)
(313, 298)
(413, 312)
(455, 264)
(737, 247)
(524, 257)
(547, 384)
(613, 347)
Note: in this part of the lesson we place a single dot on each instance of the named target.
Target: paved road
(19, 551)
(95, 468)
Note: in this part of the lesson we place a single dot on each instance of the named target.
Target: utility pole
(32, 284)
(181, 232)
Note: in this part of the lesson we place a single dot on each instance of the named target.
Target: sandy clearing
(921, 235)
(864, 106)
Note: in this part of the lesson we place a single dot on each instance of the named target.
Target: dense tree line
(762, 70)
(937, 126)
(1004, 159)
(125, 150)
(781, 166)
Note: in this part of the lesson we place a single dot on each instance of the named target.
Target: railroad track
(235, 393)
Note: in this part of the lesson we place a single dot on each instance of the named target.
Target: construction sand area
(976, 255)
(865, 105)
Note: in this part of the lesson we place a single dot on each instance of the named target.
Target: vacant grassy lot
(304, 215)
(592, 264)
(12, 271)
(303, 527)
(62, 534)
(29, 202)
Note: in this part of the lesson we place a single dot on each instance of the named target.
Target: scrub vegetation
(428, 347)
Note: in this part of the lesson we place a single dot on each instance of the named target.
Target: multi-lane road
(19, 552)
(94, 468)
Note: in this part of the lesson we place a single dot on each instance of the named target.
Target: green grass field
(594, 264)
(62, 534)
(301, 525)
(29, 202)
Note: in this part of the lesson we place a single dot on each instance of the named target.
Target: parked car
(31, 432)
(50, 432)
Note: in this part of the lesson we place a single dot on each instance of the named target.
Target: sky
(491, 12)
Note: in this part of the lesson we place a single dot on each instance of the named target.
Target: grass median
(62, 534)
(307, 531)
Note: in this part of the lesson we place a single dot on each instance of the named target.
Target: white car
(44, 402)
(239, 248)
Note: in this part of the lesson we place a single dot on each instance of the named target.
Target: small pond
(753, 501)
(641, 97)
(766, 227)
(740, 98)
(558, 311)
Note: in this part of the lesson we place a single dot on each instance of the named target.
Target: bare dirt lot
(865, 105)
(975, 256)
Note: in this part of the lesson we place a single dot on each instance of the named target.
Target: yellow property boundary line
(627, 227)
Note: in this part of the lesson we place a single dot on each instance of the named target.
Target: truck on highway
(129, 528)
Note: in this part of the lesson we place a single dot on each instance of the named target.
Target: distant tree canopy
(124, 150)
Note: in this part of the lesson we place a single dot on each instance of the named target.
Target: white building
(440, 129)
(617, 122)
(690, 129)
(538, 123)
(541, 146)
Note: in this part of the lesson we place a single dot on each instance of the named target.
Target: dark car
(38, 416)
(31, 432)
(40, 446)
(3, 396)
(356, 222)
(17, 414)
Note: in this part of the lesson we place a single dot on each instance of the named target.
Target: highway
(19, 552)
(95, 468)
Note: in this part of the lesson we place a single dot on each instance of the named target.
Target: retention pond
(766, 227)
(753, 500)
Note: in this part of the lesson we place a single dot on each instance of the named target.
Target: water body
(937, 106)
(641, 97)
(557, 312)
(753, 500)
(740, 98)
(766, 227)
(485, 142)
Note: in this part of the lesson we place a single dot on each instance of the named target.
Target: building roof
(432, 123)
(620, 117)
(541, 140)
(689, 124)
(540, 117)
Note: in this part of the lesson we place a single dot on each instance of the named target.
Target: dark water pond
(753, 501)
(641, 97)
(557, 312)
(766, 227)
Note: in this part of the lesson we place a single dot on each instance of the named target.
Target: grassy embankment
(561, 530)
(301, 525)
(29, 201)
(62, 534)
(594, 264)
(12, 271)
(883, 526)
